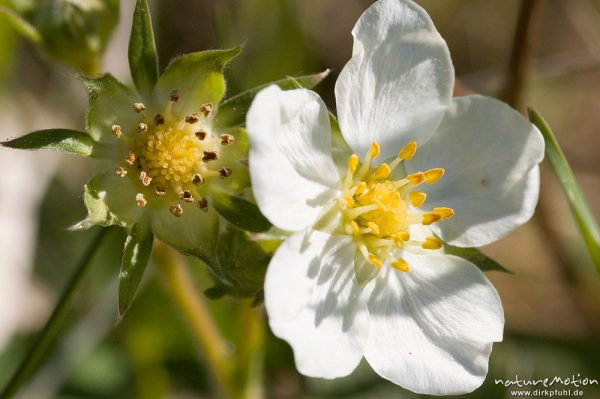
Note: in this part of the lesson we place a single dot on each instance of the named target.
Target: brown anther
(142, 127)
(139, 107)
(121, 171)
(145, 179)
(193, 118)
(198, 179)
(206, 109)
(225, 172)
(130, 158)
(201, 134)
(174, 96)
(160, 191)
(116, 130)
(176, 210)
(210, 156)
(227, 139)
(159, 120)
(203, 204)
(140, 200)
(186, 196)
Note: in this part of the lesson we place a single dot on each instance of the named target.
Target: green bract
(173, 163)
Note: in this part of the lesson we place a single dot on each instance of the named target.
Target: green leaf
(111, 102)
(584, 218)
(478, 258)
(240, 212)
(138, 248)
(143, 61)
(65, 140)
(232, 112)
(20, 25)
(198, 77)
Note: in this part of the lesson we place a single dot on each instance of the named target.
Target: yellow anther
(416, 198)
(408, 151)
(353, 162)
(433, 175)
(375, 150)
(400, 264)
(382, 172)
(361, 188)
(430, 217)
(398, 240)
(374, 228)
(349, 201)
(403, 235)
(431, 243)
(445, 213)
(375, 260)
(416, 178)
(355, 227)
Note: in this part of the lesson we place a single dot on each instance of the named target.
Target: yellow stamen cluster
(172, 155)
(378, 210)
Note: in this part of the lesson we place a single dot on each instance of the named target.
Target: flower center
(172, 156)
(378, 211)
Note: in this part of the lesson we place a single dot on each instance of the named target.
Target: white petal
(314, 303)
(399, 81)
(490, 154)
(292, 171)
(432, 328)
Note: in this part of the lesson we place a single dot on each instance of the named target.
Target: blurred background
(552, 303)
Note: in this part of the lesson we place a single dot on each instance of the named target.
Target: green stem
(249, 351)
(36, 355)
(588, 227)
(197, 314)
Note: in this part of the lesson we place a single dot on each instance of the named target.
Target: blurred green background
(552, 303)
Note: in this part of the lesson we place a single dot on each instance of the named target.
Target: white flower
(363, 274)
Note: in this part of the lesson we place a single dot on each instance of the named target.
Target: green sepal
(143, 61)
(232, 111)
(23, 27)
(339, 148)
(198, 77)
(109, 200)
(240, 212)
(584, 218)
(244, 263)
(194, 233)
(65, 140)
(110, 102)
(136, 254)
(363, 270)
(217, 291)
(476, 257)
